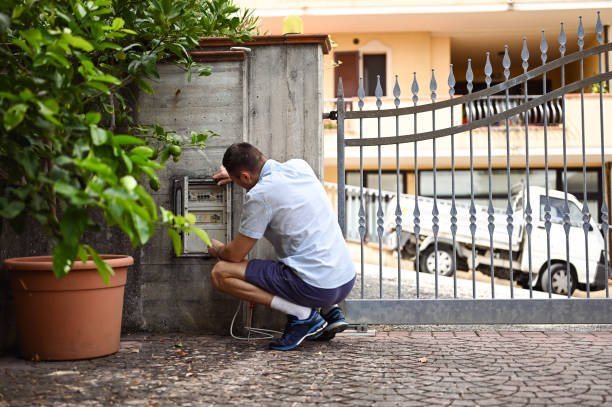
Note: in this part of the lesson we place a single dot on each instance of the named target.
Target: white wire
(263, 333)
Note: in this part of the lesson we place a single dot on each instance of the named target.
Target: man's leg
(231, 279)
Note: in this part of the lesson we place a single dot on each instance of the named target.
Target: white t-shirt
(289, 207)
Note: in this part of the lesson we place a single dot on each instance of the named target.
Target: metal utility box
(211, 204)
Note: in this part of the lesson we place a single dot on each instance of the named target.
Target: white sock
(280, 304)
(325, 310)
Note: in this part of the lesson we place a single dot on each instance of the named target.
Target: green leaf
(190, 217)
(98, 136)
(63, 188)
(202, 235)
(62, 259)
(14, 115)
(129, 166)
(124, 140)
(104, 269)
(142, 226)
(82, 253)
(77, 42)
(147, 201)
(59, 58)
(108, 79)
(99, 86)
(176, 241)
(95, 165)
(167, 215)
(128, 182)
(118, 23)
(18, 11)
(34, 38)
(142, 151)
(92, 118)
(80, 11)
(145, 86)
(10, 210)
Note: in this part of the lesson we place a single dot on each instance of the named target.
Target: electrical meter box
(212, 207)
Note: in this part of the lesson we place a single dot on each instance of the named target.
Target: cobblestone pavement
(420, 366)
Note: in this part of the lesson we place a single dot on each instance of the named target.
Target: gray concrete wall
(271, 98)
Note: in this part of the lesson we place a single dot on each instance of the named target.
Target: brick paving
(483, 366)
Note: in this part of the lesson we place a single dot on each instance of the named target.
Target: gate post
(340, 155)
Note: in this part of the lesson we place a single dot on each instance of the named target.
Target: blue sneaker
(335, 324)
(297, 330)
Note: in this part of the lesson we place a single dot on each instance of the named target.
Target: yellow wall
(409, 52)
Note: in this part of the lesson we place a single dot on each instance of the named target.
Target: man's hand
(221, 176)
(215, 249)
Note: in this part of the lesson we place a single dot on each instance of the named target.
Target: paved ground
(415, 366)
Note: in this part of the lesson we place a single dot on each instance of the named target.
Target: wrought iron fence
(570, 249)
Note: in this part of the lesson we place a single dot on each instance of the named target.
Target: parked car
(581, 256)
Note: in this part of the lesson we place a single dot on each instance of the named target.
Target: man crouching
(286, 204)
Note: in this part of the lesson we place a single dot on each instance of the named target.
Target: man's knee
(217, 274)
(224, 270)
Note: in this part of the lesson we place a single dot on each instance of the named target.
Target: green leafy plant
(69, 75)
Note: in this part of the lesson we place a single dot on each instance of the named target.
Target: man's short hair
(242, 156)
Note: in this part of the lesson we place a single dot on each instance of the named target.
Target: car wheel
(446, 263)
(558, 279)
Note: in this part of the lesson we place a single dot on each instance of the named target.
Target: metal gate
(522, 241)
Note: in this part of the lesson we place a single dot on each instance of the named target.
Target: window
(556, 211)
(374, 65)
(388, 180)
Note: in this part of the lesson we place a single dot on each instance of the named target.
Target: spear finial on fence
(396, 92)
(415, 89)
(525, 55)
(488, 70)
(469, 76)
(543, 48)
(340, 92)
(562, 40)
(599, 29)
(506, 63)
(378, 92)
(451, 82)
(580, 34)
(360, 94)
(433, 86)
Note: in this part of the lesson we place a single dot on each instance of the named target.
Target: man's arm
(235, 251)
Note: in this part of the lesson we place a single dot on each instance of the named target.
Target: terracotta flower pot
(76, 317)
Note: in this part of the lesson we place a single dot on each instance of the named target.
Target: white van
(579, 259)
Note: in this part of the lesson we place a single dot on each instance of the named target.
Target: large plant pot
(76, 317)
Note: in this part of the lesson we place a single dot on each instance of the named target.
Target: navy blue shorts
(281, 280)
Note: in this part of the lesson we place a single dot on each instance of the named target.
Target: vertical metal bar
(340, 154)
(586, 217)
(604, 206)
(469, 76)
(398, 209)
(528, 211)
(453, 211)
(379, 213)
(509, 210)
(490, 211)
(416, 213)
(362, 213)
(547, 216)
(433, 87)
(566, 216)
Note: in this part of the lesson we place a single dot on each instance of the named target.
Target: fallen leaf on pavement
(423, 360)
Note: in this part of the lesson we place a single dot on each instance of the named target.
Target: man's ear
(245, 177)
